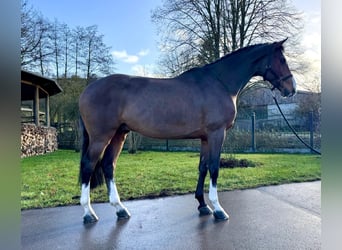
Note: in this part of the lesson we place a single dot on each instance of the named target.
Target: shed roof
(47, 84)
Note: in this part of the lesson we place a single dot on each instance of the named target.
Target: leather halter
(278, 79)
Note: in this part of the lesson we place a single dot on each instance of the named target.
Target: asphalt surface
(275, 217)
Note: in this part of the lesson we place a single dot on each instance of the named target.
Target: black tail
(84, 138)
(97, 177)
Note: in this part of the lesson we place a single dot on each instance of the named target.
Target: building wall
(288, 110)
(37, 140)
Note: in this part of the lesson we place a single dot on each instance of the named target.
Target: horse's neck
(235, 71)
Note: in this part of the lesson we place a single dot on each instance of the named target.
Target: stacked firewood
(37, 140)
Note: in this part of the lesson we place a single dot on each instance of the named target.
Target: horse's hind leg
(109, 160)
(88, 162)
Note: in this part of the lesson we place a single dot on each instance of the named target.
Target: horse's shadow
(90, 236)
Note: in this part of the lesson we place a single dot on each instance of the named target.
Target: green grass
(52, 180)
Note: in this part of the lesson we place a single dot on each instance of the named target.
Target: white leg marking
(214, 198)
(85, 201)
(114, 197)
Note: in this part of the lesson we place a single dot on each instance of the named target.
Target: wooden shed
(34, 88)
(37, 136)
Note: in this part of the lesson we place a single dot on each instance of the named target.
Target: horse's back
(104, 91)
(176, 107)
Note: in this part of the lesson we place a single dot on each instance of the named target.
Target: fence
(66, 135)
(252, 134)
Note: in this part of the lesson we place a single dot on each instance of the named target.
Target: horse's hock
(37, 140)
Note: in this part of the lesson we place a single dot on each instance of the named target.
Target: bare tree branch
(204, 30)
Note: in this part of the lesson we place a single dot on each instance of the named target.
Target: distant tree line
(72, 56)
(53, 49)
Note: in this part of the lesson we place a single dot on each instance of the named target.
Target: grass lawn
(52, 180)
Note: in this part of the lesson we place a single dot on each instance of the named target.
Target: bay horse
(199, 103)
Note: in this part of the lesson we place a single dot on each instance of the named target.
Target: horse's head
(277, 71)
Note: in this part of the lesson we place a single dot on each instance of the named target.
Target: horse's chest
(230, 112)
(222, 115)
(230, 117)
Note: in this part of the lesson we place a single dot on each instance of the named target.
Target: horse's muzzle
(289, 93)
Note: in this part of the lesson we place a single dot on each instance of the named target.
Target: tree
(199, 32)
(34, 35)
(61, 39)
(66, 39)
(64, 108)
(45, 51)
(77, 45)
(98, 57)
(30, 34)
(57, 48)
(51, 47)
(134, 141)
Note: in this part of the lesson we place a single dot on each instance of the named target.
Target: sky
(129, 31)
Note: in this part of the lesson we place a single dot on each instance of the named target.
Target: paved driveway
(276, 217)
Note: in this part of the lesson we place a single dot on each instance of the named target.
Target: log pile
(37, 140)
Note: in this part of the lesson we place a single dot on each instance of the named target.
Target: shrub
(232, 162)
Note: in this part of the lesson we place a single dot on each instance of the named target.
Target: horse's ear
(278, 45)
(281, 42)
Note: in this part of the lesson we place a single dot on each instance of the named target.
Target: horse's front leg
(203, 208)
(114, 199)
(219, 212)
(215, 141)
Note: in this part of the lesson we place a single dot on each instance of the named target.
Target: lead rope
(293, 130)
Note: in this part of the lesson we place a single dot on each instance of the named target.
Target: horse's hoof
(88, 219)
(123, 214)
(206, 210)
(221, 215)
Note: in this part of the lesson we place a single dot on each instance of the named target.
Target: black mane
(239, 51)
(230, 56)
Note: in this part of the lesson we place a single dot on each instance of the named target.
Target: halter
(279, 79)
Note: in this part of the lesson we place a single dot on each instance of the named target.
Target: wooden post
(47, 110)
(36, 106)
(311, 130)
(253, 133)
